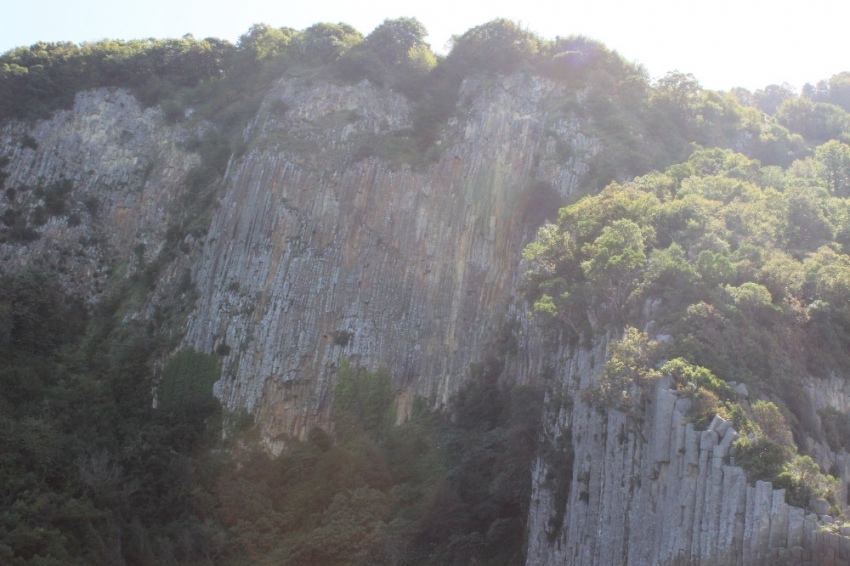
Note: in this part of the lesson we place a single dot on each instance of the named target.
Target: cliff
(94, 189)
(658, 491)
(188, 264)
(317, 250)
(315, 255)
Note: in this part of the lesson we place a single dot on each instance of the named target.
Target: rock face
(320, 250)
(115, 171)
(660, 492)
(326, 245)
(831, 393)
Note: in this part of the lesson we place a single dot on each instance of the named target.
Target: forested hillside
(712, 236)
(741, 269)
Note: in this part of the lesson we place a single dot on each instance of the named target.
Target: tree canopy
(743, 268)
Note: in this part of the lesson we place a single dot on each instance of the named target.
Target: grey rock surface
(317, 254)
(126, 167)
(672, 498)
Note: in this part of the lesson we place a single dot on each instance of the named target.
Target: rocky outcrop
(89, 186)
(326, 243)
(656, 492)
(325, 247)
(831, 392)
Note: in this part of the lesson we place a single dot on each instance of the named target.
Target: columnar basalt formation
(320, 250)
(323, 246)
(658, 492)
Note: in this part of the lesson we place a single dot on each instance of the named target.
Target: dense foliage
(437, 489)
(645, 125)
(743, 269)
(90, 472)
(44, 77)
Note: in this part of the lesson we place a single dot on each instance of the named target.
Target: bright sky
(725, 43)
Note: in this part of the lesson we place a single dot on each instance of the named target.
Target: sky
(724, 43)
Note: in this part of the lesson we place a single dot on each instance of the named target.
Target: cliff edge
(659, 492)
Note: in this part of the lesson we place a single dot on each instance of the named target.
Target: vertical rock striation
(326, 244)
(322, 250)
(661, 493)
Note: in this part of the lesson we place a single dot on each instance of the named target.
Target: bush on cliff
(628, 374)
(742, 268)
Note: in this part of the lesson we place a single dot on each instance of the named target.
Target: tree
(498, 46)
(393, 40)
(363, 401)
(752, 298)
(265, 41)
(831, 278)
(394, 54)
(769, 99)
(324, 43)
(715, 269)
(815, 121)
(834, 156)
(187, 382)
(802, 478)
(839, 90)
(678, 91)
(613, 261)
(794, 113)
(35, 316)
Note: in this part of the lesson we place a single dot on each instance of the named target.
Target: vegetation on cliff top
(742, 270)
(646, 124)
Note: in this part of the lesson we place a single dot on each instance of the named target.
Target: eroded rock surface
(321, 251)
(116, 173)
(658, 492)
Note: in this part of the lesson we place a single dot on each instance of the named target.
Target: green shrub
(803, 480)
(763, 460)
(628, 374)
(40, 318)
(772, 424)
(363, 401)
(187, 381)
(685, 373)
